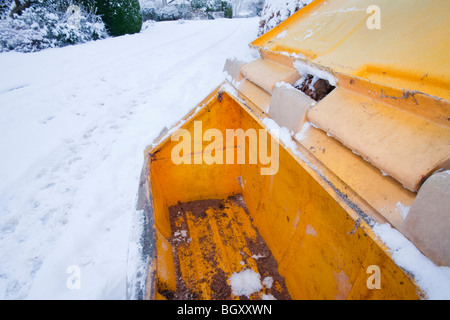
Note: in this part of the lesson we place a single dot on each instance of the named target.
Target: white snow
(268, 282)
(311, 231)
(74, 123)
(285, 85)
(245, 282)
(434, 280)
(309, 34)
(344, 10)
(182, 233)
(282, 133)
(258, 256)
(404, 210)
(305, 69)
(282, 34)
(302, 134)
(136, 268)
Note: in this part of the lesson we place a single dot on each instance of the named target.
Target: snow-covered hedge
(150, 11)
(45, 25)
(189, 10)
(276, 11)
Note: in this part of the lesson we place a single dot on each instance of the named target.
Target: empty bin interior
(319, 250)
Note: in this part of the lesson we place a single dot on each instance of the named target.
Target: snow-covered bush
(169, 13)
(213, 6)
(120, 16)
(193, 10)
(150, 11)
(207, 5)
(276, 11)
(46, 25)
(246, 8)
(4, 8)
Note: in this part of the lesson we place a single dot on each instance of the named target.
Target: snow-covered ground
(74, 123)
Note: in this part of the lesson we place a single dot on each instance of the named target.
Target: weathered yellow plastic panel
(391, 104)
(403, 145)
(410, 50)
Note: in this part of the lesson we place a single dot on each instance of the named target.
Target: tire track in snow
(203, 51)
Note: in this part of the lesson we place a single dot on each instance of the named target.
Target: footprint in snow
(47, 120)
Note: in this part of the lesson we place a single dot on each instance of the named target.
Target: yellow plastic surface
(409, 51)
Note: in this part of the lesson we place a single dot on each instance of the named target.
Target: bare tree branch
(19, 7)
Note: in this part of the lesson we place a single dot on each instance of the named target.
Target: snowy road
(74, 123)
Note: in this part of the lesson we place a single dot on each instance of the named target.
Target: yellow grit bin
(341, 124)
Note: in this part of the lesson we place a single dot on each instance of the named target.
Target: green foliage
(206, 5)
(227, 9)
(213, 6)
(120, 16)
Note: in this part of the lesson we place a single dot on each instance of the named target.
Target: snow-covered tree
(4, 8)
(46, 24)
(256, 7)
(276, 11)
(18, 6)
(237, 5)
(247, 7)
